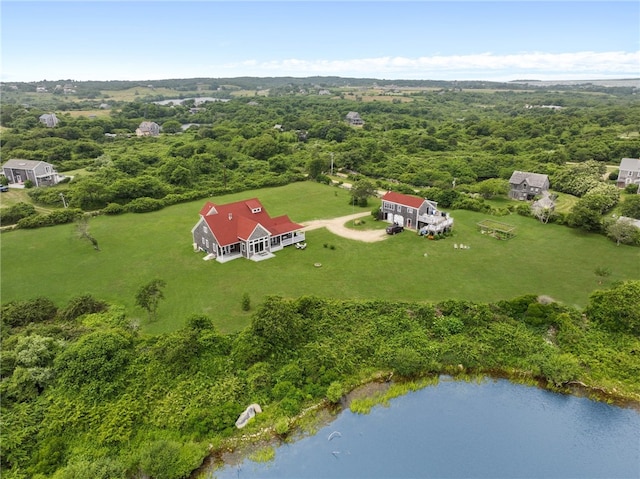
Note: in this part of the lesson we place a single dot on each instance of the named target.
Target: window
(410, 211)
(398, 208)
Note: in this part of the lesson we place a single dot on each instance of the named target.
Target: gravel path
(336, 226)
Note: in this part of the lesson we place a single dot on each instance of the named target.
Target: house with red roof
(243, 230)
(416, 213)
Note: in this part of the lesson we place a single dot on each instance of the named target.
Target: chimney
(230, 216)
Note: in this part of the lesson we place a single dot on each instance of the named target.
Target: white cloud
(484, 65)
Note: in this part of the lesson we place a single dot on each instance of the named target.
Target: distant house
(148, 128)
(629, 172)
(353, 118)
(526, 186)
(49, 119)
(40, 173)
(243, 230)
(414, 213)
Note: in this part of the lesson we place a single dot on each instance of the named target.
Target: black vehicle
(394, 228)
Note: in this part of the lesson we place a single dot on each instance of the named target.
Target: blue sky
(430, 40)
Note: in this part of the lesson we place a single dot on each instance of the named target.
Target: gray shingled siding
(204, 239)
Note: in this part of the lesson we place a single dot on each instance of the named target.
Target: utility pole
(64, 201)
(332, 163)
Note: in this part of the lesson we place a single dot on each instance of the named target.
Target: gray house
(413, 212)
(526, 186)
(40, 173)
(353, 118)
(629, 172)
(49, 119)
(148, 128)
(243, 230)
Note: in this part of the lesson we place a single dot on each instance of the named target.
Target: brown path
(336, 226)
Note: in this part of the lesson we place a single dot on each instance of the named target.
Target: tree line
(449, 144)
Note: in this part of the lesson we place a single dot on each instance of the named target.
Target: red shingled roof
(407, 200)
(234, 221)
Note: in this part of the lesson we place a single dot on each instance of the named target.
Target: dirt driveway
(336, 226)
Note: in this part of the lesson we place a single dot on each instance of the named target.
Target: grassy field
(89, 113)
(20, 195)
(136, 248)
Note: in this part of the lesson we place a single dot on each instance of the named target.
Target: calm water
(466, 430)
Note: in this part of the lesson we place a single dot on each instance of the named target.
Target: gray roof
(533, 179)
(630, 164)
(23, 164)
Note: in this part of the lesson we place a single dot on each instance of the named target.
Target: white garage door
(398, 220)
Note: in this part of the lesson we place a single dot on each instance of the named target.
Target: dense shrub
(20, 313)
(144, 205)
(631, 207)
(617, 309)
(80, 305)
(58, 217)
(47, 196)
(113, 209)
(15, 213)
(471, 204)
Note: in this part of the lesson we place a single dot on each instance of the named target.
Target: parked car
(394, 228)
(4, 188)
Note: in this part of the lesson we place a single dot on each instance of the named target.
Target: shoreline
(238, 449)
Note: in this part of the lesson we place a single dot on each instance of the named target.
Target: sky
(426, 40)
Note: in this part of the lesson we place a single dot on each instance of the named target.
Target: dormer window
(256, 210)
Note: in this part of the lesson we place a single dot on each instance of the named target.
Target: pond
(488, 429)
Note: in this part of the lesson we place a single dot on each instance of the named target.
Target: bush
(246, 302)
(15, 213)
(113, 209)
(81, 305)
(144, 205)
(631, 207)
(335, 392)
(617, 309)
(170, 460)
(471, 204)
(21, 313)
(58, 217)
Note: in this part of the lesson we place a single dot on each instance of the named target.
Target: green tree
(316, 166)
(631, 207)
(149, 296)
(586, 216)
(623, 231)
(492, 187)
(171, 126)
(361, 190)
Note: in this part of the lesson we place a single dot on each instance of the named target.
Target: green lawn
(136, 248)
